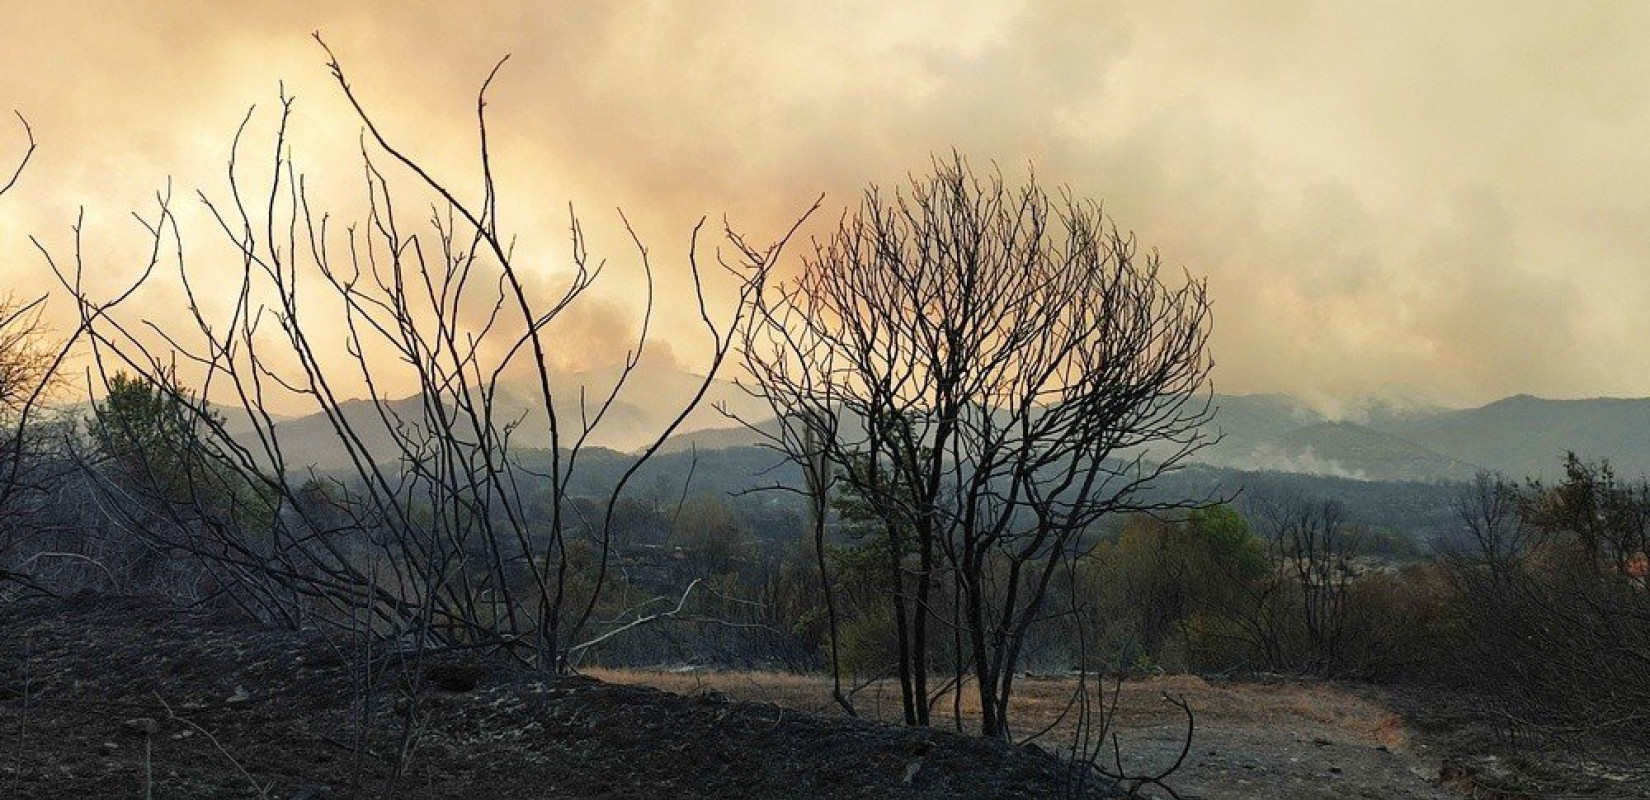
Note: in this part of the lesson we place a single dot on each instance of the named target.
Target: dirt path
(1302, 761)
(1277, 740)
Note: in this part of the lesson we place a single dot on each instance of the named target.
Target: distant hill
(1246, 430)
(313, 441)
(650, 401)
(1357, 451)
(718, 438)
(1528, 436)
(1520, 436)
(1424, 509)
(1395, 471)
(1277, 433)
(1250, 419)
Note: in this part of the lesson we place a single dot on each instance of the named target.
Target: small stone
(108, 748)
(142, 726)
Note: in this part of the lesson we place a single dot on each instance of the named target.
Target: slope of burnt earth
(103, 697)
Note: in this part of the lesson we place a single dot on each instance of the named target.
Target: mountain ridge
(1522, 435)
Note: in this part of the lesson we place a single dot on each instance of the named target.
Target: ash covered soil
(226, 708)
(236, 709)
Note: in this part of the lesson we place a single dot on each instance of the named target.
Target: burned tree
(30, 356)
(993, 370)
(24, 362)
(23, 160)
(28, 363)
(430, 532)
(1315, 548)
(1551, 587)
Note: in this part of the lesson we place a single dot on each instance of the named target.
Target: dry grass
(1042, 702)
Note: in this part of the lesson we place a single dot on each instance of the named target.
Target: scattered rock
(142, 726)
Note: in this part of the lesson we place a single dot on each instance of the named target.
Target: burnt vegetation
(977, 392)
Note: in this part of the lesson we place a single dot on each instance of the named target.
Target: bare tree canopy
(23, 161)
(30, 359)
(993, 369)
(26, 357)
(456, 522)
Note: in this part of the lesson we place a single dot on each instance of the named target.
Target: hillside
(1528, 436)
(719, 438)
(1520, 436)
(1247, 423)
(651, 399)
(1371, 455)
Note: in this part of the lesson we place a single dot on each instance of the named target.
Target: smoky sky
(1442, 202)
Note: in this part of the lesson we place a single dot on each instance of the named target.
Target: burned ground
(228, 709)
(236, 709)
